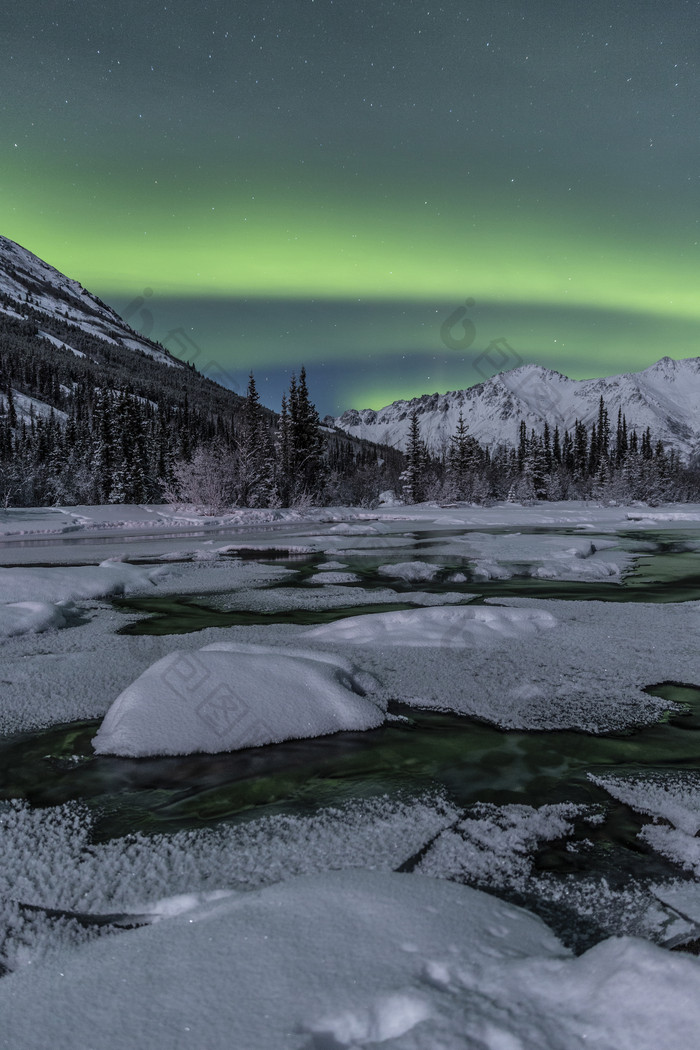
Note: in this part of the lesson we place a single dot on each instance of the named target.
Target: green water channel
(466, 760)
(669, 572)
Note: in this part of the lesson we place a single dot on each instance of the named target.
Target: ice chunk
(334, 577)
(673, 796)
(412, 571)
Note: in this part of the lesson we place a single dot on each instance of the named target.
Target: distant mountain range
(664, 397)
(50, 317)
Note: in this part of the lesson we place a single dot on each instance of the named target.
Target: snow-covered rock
(228, 696)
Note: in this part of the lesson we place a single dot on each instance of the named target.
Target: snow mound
(413, 571)
(448, 627)
(226, 696)
(25, 617)
(352, 959)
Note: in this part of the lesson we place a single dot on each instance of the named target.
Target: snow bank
(666, 516)
(577, 513)
(352, 959)
(330, 577)
(443, 627)
(356, 529)
(553, 664)
(227, 696)
(24, 617)
(36, 599)
(58, 583)
(501, 556)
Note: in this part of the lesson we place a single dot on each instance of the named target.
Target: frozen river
(538, 681)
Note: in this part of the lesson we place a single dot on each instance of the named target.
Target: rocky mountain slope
(27, 280)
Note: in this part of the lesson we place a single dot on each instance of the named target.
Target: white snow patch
(412, 571)
(442, 627)
(59, 343)
(349, 959)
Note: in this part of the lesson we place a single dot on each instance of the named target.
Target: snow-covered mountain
(60, 346)
(26, 279)
(664, 397)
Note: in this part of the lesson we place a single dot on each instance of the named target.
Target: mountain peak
(664, 397)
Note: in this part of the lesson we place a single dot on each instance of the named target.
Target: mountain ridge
(25, 278)
(664, 396)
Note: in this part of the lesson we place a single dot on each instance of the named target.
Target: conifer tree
(414, 476)
(251, 450)
(305, 441)
(462, 462)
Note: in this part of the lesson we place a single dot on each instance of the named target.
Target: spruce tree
(462, 462)
(414, 476)
(306, 441)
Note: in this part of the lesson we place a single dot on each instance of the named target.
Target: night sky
(380, 191)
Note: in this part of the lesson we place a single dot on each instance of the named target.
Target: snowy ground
(247, 935)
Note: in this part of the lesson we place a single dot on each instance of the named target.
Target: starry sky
(402, 196)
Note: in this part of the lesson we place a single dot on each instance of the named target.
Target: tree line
(115, 446)
(593, 461)
(102, 424)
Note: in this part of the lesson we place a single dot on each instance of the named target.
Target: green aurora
(344, 241)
